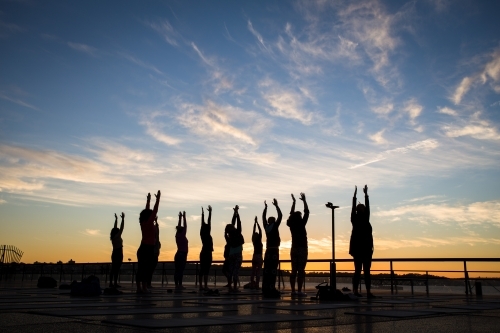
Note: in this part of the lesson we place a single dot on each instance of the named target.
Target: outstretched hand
(302, 196)
(209, 208)
(329, 205)
(256, 221)
(293, 198)
(116, 217)
(202, 212)
(180, 214)
(265, 203)
(355, 190)
(122, 216)
(148, 196)
(275, 202)
(184, 214)
(157, 195)
(236, 208)
(365, 189)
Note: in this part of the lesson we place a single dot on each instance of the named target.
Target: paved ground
(53, 310)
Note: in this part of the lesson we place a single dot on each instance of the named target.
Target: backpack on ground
(46, 282)
(88, 287)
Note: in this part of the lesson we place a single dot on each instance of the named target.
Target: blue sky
(232, 102)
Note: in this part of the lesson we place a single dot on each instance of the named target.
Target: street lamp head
(331, 206)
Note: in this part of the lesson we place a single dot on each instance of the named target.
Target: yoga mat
(393, 313)
(129, 311)
(310, 307)
(210, 321)
(490, 306)
(69, 305)
(235, 302)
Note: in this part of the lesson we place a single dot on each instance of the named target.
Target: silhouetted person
(145, 253)
(182, 251)
(299, 250)
(236, 242)
(207, 247)
(156, 253)
(272, 256)
(257, 259)
(361, 244)
(117, 254)
(225, 265)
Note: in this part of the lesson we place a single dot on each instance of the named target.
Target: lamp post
(333, 265)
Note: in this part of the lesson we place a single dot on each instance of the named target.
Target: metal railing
(63, 272)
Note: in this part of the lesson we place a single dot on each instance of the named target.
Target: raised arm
(280, 215)
(292, 210)
(353, 210)
(122, 225)
(367, 202)
(264, 214)
(116, 221)
(185, 223)
(209, 222)
(179, 224)
(148, 200)
(235, 212)
(238, 222)
(202, 217)
(306, 208)
(258, 226)
(157, 203)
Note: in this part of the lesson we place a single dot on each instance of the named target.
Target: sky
(236, 102)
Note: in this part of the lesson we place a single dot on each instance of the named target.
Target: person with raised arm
(225, 265)
(257, 259)
(361, 243)
(236, 242)
(206, 249)
(182, 251)
(272, 255)
(299, 251)
(117, 254)
(145, 253)
(156, 252)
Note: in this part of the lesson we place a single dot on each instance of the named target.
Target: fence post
(278, 274)
(466, 274)
(196, 277)
(133, 272)
(392, 279)
(427, 283)
(162, 274)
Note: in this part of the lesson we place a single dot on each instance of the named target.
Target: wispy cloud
(140, 63)
(413, 109)
(155, 128)
(17, 101)
(475, 127)
(92, 232)
(285, 103)
(474, 213)
(218, 77)
(92, 51)
(490, 73)
(378, 137)
(166, 30)
(257, 35)
(424, 145)
(214, 121)
(448, 111)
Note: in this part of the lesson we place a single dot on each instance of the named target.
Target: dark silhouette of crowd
(267, 263)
